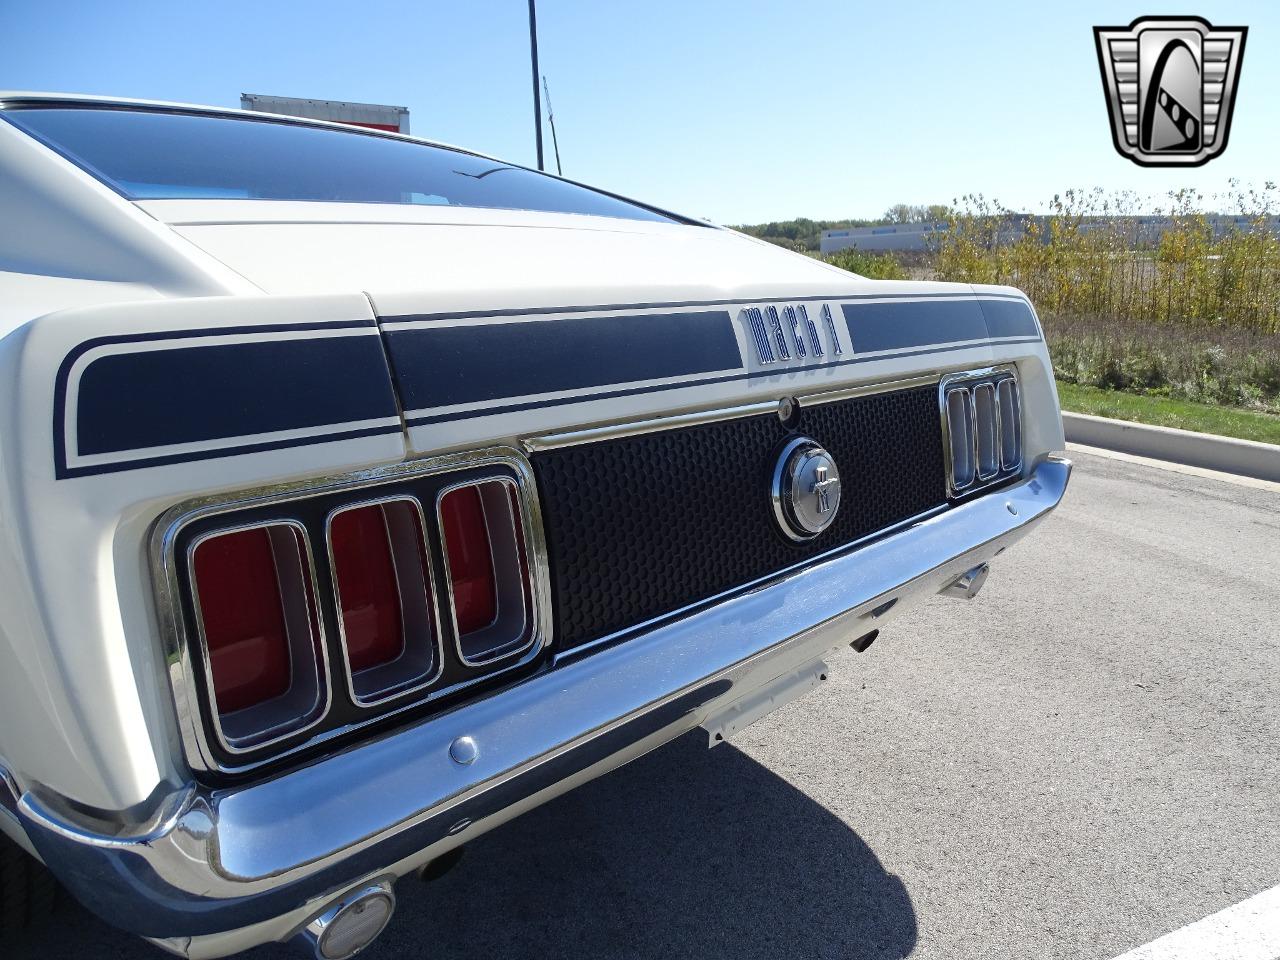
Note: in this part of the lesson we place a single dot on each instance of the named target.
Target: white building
(922, 236)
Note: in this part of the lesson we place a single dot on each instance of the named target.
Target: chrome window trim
(529, 600)
(437, 640)
(971, 378)
(165, 581)
(324, 692)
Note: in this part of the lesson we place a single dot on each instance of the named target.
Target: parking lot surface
(1077, 762)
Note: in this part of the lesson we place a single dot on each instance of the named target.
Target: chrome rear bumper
(268, 854)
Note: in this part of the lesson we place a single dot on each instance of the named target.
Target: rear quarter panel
(114, 414)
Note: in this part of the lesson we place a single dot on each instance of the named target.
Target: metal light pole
(537, 101)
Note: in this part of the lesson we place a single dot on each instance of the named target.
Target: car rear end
(459, 508)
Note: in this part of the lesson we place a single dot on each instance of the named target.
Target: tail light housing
(386, 612)
(300, 618)
(962, 458)
(1010, 407)
(489, 593)
(255, 605)
(982, 428)
(986, 431)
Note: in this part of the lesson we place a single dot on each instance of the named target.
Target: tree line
(805, 235)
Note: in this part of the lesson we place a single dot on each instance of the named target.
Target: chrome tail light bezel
(309, 505)
(406, 685)
(309, 662)
(982, 397)
(514, 602)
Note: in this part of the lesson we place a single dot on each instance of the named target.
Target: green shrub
(1092, 256)
(877, 266)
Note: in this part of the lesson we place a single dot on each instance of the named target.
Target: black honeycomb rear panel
(640, 526)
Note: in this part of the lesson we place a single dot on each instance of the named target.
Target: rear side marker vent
(982, 422)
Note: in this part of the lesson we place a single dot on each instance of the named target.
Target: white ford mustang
(358, 494)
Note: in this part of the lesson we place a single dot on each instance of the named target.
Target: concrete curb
(1244, 457)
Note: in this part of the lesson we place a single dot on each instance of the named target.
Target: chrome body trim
(196, 749)
(206, 866)
(868, 389)
(631, 428)
(437, 640)
(814, 339)
(764, 352)
(779, 337)
(797, 336)
(836, 349)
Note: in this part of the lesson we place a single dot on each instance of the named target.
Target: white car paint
(86, 712)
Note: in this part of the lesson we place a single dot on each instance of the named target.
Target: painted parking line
(1247, 931)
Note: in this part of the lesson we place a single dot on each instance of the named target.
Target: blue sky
(731, 110)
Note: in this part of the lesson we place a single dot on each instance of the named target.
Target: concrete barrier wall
(1244, 457)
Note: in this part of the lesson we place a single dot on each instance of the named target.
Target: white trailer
(375, 116)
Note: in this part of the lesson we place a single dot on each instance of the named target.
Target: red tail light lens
(471, 574)
(366, 575)
(243, 618)
(488, 573)
(261, 634)
(382, 580)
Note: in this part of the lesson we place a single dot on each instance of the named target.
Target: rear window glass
(153, 155)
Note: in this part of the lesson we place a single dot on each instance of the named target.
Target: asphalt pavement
(1083, 758)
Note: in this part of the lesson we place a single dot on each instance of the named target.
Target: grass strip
(1166, 412)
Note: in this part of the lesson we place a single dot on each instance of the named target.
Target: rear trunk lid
(506, 325)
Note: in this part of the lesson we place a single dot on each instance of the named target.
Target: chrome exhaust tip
(967, 585)
(350, 924)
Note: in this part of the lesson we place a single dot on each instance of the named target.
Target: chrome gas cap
(806, 489)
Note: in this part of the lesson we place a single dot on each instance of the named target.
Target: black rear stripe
(156, 398)
(444, 365)
(131, 403)
(900, 326)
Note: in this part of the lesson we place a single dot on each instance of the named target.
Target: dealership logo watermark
(1170, 84)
